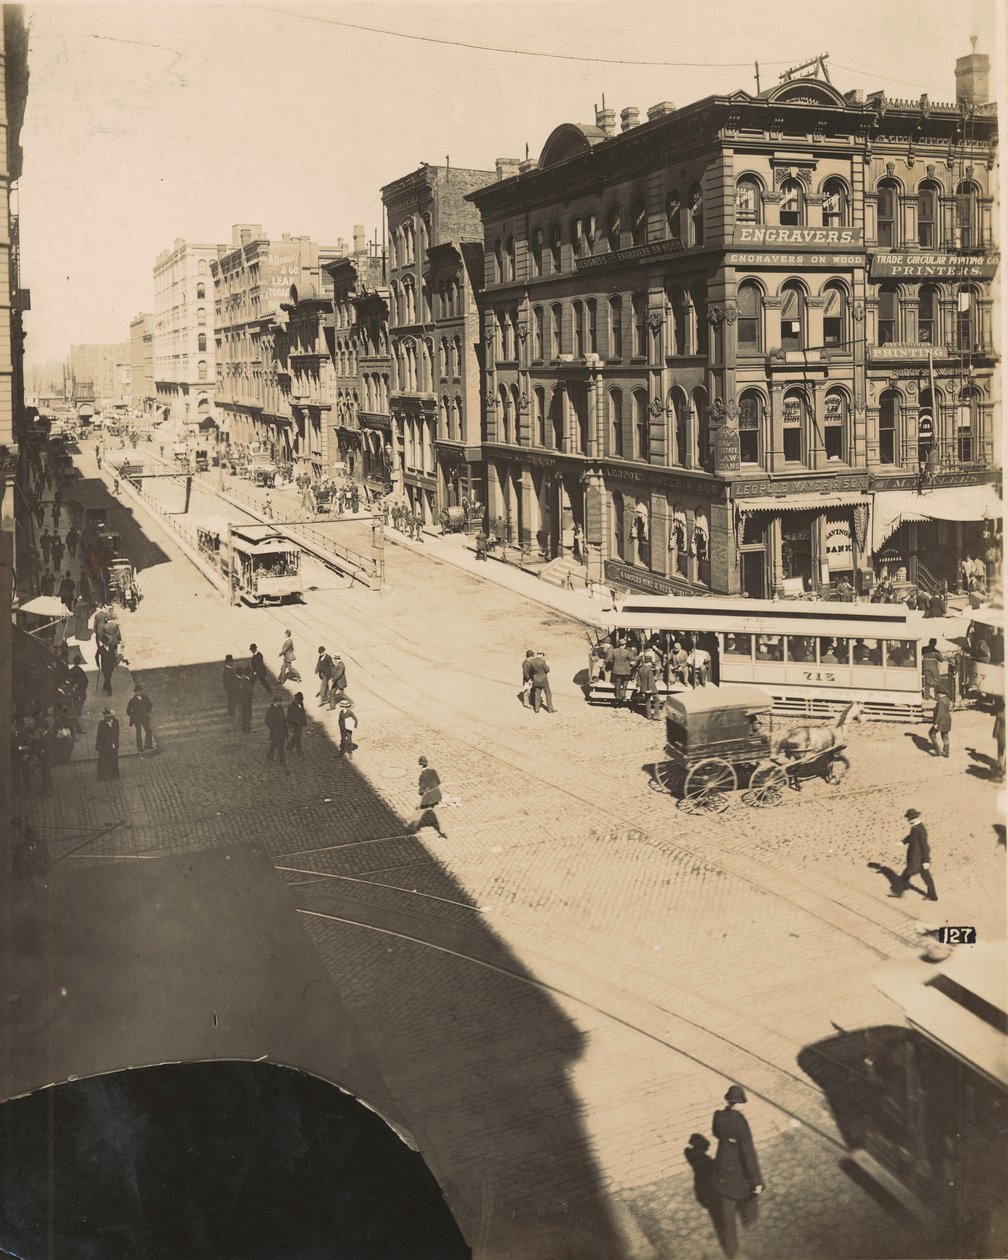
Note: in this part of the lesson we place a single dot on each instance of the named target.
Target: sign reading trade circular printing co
(927, 265)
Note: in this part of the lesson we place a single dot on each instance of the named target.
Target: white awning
(800, 502)
(956, 503)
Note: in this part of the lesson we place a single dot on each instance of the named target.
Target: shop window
(794, 427)
(835, 317)
(738, 645)
(801, 649)
(967, 215)
(537, 334)
(748, 200)
(616, 328)
(556, 329)
(591, 316)
(888, 314)
(536, 251)
(792, 204)
(638, 223)
(835, 426)
(751, 427)
(696, 215)
(750, 318)
(888, 426)
(556, 247)
(927, 215)
(900, 654)
(640, 325)
(886, 214)
(836, 204)
(615, 402)
(613, 225)
(867, 652)
(769, 647)
(673, 223)
(928, 314)
(577, 310)
(792, 316)
(966, 320)
(642, 426)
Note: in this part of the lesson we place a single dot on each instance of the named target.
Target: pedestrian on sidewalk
(297, 719)
(55, 513)
(525, 695)
(418, 526)
(139, 713)
(338, 680)
(999, 733)
(286, 656)
(47, 583)
(57, 549)
(324, 669)
(941, 723)
(430, 796)
(72, 539)
(347, 727)
(77, 686)
(66, 592)
(541, 684)
(45, 542)
(918, 858)
(276, 724)
(106, 662)
(243, 695)
(481, 546)
(107, 746)
(257, 669)
(736, 1169)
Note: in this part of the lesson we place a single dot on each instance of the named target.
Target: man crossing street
(918, 858)
(737, 1173)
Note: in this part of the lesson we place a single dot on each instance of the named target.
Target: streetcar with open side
(265, 565)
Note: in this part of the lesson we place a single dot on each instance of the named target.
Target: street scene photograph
(502, 632)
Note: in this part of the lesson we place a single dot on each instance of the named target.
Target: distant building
(252, 281)
(184, 373)
(361, 420)
(310, 374)
(434, 254)
(98, 365)
(142, 361)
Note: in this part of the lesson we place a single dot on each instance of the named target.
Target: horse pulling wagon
(717, 741)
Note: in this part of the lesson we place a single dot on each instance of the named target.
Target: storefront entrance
(753, 574)
(798, 550)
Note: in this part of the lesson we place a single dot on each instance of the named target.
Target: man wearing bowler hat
(918, 858)
(737, 1175)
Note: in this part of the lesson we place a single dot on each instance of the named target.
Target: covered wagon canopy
(707, 700)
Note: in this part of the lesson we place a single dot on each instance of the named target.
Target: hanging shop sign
(620, 574)
(727, 449)
(925, 264)
(762, 235)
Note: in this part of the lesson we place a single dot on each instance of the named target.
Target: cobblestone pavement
(558, 993)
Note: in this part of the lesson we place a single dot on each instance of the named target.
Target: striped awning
(800, 502)
(954, 503)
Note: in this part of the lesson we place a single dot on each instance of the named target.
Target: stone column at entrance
(596, 525)
(529, 509)
(566, 519)
(495, 494)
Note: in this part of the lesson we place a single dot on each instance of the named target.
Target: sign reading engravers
(762, 235)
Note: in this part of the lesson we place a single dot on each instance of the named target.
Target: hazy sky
(152, 121)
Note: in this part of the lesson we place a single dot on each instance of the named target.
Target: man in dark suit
(257, 669)
(324, 669)
(622, 668)
(941, 723)
(541, 691)
(338, 681)
(737, 1173)
(918, 858)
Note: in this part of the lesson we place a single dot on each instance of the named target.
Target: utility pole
(757, 78)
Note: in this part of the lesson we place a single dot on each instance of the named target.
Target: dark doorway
(797, 551)
(753, 565)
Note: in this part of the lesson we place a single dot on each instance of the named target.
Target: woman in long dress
(107, 744)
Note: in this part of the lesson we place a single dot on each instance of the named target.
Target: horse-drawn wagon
(718, 740)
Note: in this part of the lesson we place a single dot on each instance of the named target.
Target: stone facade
(142, 361)
(694, 355)
(184, 352)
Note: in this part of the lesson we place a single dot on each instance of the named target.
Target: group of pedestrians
(407, 522)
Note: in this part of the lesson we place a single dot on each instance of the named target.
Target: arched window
(835, 418)
(613, 228)
(967, 425)
(748, 200)
(616, 327)
(751, 425)
(928, 214)
(795, 417)
(536, 251)
(640, 346)
(556, 247)
(888, 430)
(887, 214)
(836, 310)
(200, 292)
(638, 223)
(539, 415)
(967, 211)
(701, 426)
(537, 334)
(695, 202)
(792, 316)
(678, 407)
(698, 299)
(515, 415)
(556, 329)
(615, 407)
(967, 319)
(443, 358)
(577, 310)
(509, 258)
(457, 419)
(557, 420)
(835, 204)
(504, 410)
(498, 253)
(201, 370)
(591, 336)
(457, 358)
(443, 416)
(425, 234)
(642, 426)
(888, 314)
(201, 343)
(502, 335)
(455, 297)
(425, 297)
(677, 322)
(750, 317)
(792, 204)
(928, 314)
(201, 267)
(673, 222)
(201, 316)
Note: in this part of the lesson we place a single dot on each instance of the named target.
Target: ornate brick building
(746, 345)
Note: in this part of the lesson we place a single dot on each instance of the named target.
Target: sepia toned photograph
(502, 632)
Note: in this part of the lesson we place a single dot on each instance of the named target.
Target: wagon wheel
(836, 768)
(766, 786)
(665, 775)
(707, 786)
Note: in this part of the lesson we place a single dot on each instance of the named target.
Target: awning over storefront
(800, 502)
(956, 503)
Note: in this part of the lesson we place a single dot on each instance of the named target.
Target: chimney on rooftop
(629, 117)
(506, 167)
(973, 77)
(660, 110)
(358, 238)
(605, 119)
